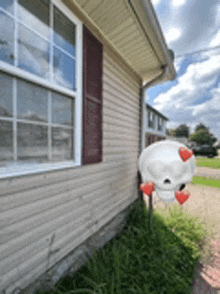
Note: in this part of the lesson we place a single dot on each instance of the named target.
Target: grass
(141, 261)
(208, 162)
(206, 181)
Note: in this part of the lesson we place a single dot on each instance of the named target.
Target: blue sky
(194, 96)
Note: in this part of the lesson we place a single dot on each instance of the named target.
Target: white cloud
(155, 2)
(216, 40)
(179, 103)
(177, 3)
(172, 34)
(178, 63)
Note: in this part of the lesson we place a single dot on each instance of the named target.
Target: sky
(194, 96)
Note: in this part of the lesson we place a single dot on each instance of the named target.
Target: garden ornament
(165, 168)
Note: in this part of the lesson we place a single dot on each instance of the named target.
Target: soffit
(120, 26)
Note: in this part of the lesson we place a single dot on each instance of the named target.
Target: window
(40, 86)
(160, 123)
(151, 118)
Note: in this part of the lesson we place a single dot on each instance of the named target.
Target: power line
(196, 52)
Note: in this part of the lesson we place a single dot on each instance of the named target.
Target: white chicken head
(169, 166)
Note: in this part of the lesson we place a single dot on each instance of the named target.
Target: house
(73, 77)
(155, 125)
(217, 144)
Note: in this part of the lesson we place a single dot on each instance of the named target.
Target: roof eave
(149, 21)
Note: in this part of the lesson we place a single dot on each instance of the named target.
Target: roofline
(149, 22)
(156, 111)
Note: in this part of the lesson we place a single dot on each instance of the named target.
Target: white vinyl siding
(45, 216)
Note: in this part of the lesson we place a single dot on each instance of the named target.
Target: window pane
(32, 102)
(33, 53)
(6, 38)
(7, 5)
(61, 109)
(35, 13)
(64, 69)
(5, 95)
(6, 142)
(64, 32)
(32, 143)
(62, 144)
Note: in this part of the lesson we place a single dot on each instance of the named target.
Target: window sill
(24, 169)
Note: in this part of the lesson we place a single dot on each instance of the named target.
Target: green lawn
(141, 261)
(208, 162)
(206, 181)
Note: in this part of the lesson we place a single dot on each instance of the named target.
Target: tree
(202, 135)
(201, 126)
(182, 131)
(170, 132)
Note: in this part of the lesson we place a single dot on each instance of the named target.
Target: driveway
(207, 172)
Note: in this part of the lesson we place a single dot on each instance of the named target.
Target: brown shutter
(92, 98)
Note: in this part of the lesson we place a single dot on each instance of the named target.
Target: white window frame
(15, 169)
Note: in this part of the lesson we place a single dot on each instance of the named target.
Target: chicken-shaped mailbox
(165, 168)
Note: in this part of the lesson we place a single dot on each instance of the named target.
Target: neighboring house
(155, 125)
(71, 100)
(217, 144)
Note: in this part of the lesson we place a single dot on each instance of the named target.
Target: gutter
(147, 19)
(143, 103)
(143, 91)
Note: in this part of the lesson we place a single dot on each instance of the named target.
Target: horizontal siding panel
(114, 101)
(111, 135)
(121, 73)
(109, 213)
(111, 126)
(118, 92)
(118, 156)
(21, 271)
(70, 183)
(58, 197)
(23, 183)
(101, 219)
(109, 150)
(63, 212)
(45, 243)
(26, 280)
(119, 122)
(41, 231)
(120, 112)
(117, 118)
(47, 215)
(114, 104)
(110, 88)
(49, 219)
(121, 143)
(120, 81)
